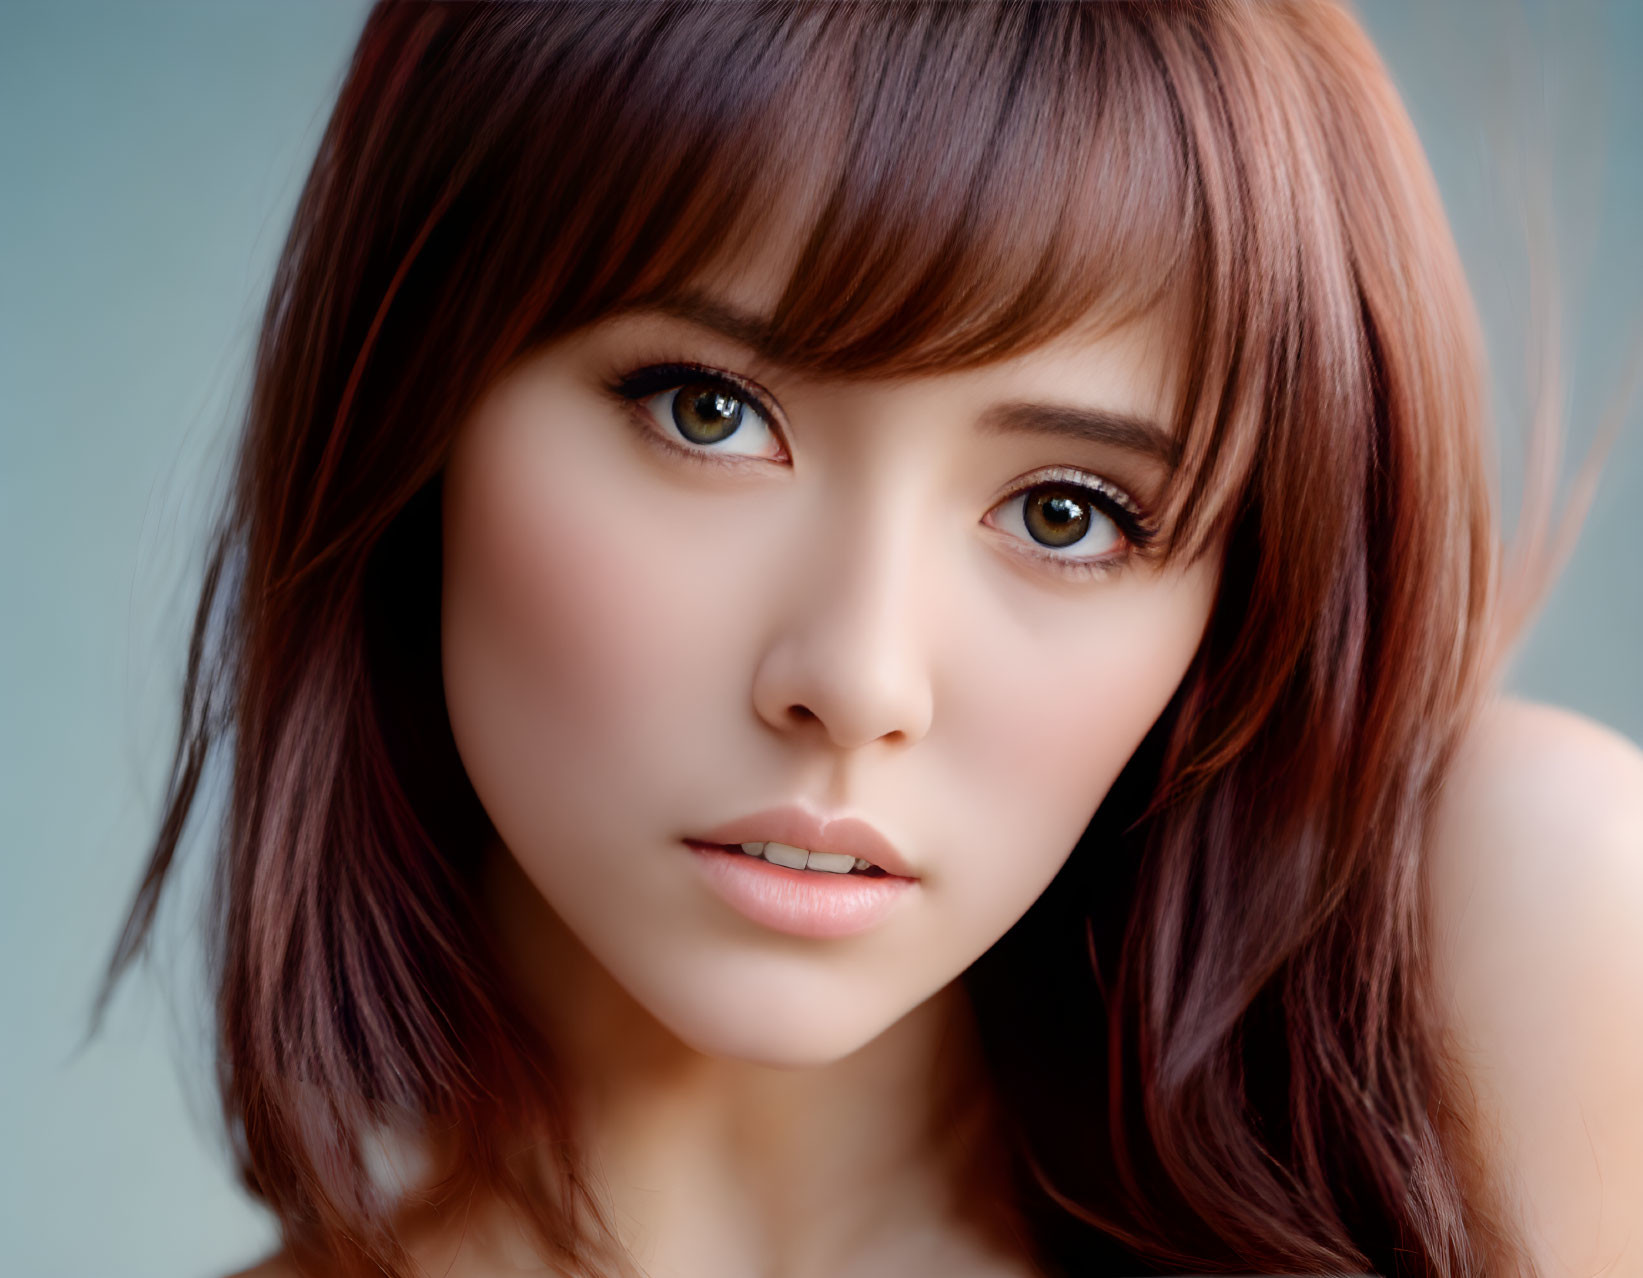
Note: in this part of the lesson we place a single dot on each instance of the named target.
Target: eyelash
(1138, 535)
(653, 379)
(1105, 498)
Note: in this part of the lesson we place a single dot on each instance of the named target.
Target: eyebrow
(1103, 426)
(1088, 425)
(752, 331)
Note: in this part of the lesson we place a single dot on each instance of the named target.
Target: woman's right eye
(703, 415)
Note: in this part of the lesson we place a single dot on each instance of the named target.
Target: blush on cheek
(554, 579)
(1063, 710)
(582, 637)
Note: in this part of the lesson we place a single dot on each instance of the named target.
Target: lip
(806, 903)
(803, 902)
(800, 828)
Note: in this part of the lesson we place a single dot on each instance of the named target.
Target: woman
(858, 640)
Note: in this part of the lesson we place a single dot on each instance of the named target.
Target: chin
(789, 1032)
(775, 1047)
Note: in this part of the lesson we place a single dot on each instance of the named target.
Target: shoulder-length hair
(1211, 1037)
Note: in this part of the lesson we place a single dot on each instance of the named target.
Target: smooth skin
(852, 613)
(1537, 934)
(1537, 890)
(839, 607)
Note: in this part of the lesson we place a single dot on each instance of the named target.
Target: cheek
(1079, 698)
(1068, 698)
(574, 636)
(601, 632)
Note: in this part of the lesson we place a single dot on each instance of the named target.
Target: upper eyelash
(653, 379)
(1106, 492)
(1112, 501)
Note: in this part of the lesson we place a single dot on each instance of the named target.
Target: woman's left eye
(700, 412)
(1074, 521)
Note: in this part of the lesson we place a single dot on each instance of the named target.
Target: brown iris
(706, 414)
(1055, 516)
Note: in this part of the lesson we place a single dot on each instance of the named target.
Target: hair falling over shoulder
(1211, 1037)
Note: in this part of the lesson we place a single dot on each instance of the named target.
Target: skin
(1537, 945)
(639, 646)
(1536, 884)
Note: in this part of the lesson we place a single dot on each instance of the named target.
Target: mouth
(796, 858)
(809, 901)
(796, 836)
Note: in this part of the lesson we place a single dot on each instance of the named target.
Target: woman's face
(684, 587)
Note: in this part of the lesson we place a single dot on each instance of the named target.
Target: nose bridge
(850, 651)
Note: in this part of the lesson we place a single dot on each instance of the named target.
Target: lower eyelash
(1081, 569)
(1112, 504)
(649, 380)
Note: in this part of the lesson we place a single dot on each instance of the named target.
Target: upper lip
(801, 828)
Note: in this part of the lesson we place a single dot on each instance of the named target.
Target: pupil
(706, 414)
(1055, 517)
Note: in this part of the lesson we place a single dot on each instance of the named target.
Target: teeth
(799, 859)
(785, 854)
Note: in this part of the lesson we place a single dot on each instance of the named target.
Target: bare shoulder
(1540, 820)
(1536, 919)
(1543, 761)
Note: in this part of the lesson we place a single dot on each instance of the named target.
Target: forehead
(1131, 369)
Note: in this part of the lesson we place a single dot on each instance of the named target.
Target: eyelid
(1112, 503)
(1117, 495)
(654, 379)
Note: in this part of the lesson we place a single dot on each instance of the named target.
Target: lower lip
(798, 902)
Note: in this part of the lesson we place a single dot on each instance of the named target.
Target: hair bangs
(943, 185)
(1005, 174)
(933, 187)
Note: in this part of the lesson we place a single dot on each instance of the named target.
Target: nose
(846, 660)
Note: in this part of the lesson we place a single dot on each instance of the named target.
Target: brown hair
(1211, 1036)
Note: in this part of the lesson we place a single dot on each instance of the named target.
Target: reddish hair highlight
(1235, 1066)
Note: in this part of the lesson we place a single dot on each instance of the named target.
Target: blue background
(150, 156)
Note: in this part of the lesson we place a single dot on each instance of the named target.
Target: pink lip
(799, 902)
(800, 828)
(803, 902)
